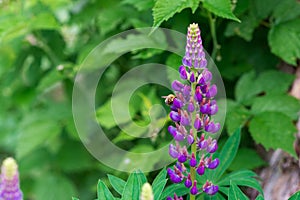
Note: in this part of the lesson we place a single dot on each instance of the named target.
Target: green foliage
(165, 9)
(274, 130)
(220, 8)
(280, 17)
(295, 196)
(43, 43)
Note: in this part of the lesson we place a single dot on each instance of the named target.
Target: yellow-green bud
(147, 193)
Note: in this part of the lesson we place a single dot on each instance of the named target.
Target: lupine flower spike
(147, 193)
(9, 181)
(192, 108)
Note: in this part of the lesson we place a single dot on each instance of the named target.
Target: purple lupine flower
(192, 110)
(209, 188)
(9, 181)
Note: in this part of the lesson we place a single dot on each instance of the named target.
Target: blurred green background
(43, 43)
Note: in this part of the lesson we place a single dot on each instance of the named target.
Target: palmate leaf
(221, 8)
(159, 183)
(236, 193)
(133, 186)
(117, 183)
(228, 153)
(103, 192)
(180, 190)
(165, 9)
(242, 178)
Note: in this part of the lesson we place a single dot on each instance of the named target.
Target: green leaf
(241, 174)
(141, 177)
(285, 10)
(288, 50)
(285, 104)
(180, 190)
(140, 5)
(132, 188)
(117, 183)
(43, 21)
(236, 118)
(274, 130)
(158, 189)
(246, 158)
(160, 177)
(245, 29)
(295, 196)
(246, 87)
(35, 135)
(74, 198)
(275, 82)
(51, 186)
(228, 153)
(66, 160)
(165, 9)
(103, 192)
(221, 8)
(235, 193)
(242, 178)
(264, 8)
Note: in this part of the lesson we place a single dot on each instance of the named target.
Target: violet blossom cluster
(191, 112)
(9, 181)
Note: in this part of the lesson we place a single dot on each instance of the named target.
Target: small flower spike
(9, 181)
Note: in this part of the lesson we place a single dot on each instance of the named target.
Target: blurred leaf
(228, 153)
(260, 197)
(140, 5)
(236, 118)
(270, 81)
(274, 130)
(221, 8)
(264, 8)
(43, 21)
(288, 50)
(246, 87)
(295, 196)
(117, 183)
(275, 82)
(66, 160)
(246, 159)
(51, 186)
(165, 9)
(35, 135)
(103, 192)
(278, 103)
(236, 193)
(109, 18)
(285, 10)
(245, 29)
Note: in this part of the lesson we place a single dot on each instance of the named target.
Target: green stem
(194, 145)
(212, 25)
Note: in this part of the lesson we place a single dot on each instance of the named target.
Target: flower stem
(194, 145)
(212, 25)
